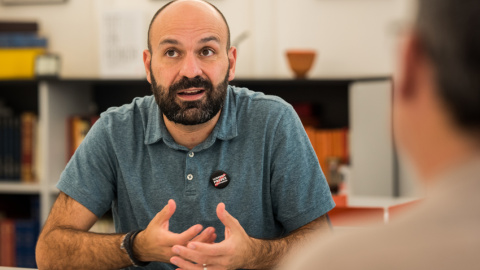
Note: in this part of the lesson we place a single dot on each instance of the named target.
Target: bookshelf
(55, 100)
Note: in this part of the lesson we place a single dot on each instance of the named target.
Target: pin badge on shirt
(219, 179)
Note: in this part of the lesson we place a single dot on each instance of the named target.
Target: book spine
(9, 160)
(25, 233)
(2, 148)
(18, 27)
(78, 129)
(7, 236)
(27, 136)
(17, 40)
(16, 149)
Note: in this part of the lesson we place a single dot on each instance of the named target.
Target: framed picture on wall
(31, 2)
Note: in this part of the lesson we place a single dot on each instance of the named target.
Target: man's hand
(232, 253)
(156, 241)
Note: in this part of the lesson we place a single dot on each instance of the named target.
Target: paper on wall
(122, 41)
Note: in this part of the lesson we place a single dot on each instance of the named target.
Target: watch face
(47, 65)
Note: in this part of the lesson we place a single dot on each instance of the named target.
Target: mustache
(185, 83)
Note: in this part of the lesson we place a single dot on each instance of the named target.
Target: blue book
(17, 149)
(2, 147)
(22, 40)
(26, 233)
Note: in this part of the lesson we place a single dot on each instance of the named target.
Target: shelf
(11, 187)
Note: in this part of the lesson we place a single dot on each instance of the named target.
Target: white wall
(351, 36)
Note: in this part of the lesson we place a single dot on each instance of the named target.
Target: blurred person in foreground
(437, 127)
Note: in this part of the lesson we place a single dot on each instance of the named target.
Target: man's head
(437, 91)
(187, 63)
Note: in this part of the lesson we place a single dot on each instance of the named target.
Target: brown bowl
(301, 61)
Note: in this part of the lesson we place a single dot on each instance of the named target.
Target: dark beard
(190, 112)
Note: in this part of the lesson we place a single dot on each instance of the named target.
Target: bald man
(437, 124)
(169, 165)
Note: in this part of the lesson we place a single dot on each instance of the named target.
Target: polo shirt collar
(225, 129)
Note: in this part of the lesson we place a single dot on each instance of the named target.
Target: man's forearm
(66, 248)
(267, 254)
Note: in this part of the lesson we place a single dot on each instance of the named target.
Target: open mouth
(191, 94)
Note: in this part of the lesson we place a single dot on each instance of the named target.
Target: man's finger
(218, 249)
(205, 236)
(165, 214)
(228, 220)
(212, 239)
(186, 236)
(185, 265)
(190, 255)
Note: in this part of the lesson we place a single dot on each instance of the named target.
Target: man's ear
(411, 62)
(147, 58)
(232, 59)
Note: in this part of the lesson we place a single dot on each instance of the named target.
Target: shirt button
(191, 154)
(190, 177)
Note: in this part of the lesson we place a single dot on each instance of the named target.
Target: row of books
(331, 148)
(18, 34)
(18, 135)
(18, 236)
(17, 242)
(77, 129)
(20, 44)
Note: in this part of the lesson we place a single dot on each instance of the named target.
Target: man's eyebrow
(211, 38)
(169, 41)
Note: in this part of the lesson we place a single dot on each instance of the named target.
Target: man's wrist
(250, 254)
(137, 246)
(128, 245)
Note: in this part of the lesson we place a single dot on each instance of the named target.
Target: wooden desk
(366, 211)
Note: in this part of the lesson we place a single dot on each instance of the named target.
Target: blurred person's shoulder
(441, 233)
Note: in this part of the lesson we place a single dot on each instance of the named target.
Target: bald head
(176, 8)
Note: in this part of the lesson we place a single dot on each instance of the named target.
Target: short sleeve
(89, 176)
(300, 192)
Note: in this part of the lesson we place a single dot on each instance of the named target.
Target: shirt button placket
(190, 170)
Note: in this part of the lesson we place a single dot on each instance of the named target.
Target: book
(18, 27)
(16, 148)
(26, 234)
(28, 123)
(7, 242)
(331, 148)
(8, 148)
(77, 129)
(20, 40)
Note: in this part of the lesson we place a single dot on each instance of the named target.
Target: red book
(7, 242)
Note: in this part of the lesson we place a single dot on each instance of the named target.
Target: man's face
(190, 112)
(189, 66)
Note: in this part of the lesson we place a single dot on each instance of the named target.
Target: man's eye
(207, 52)
(171, 53)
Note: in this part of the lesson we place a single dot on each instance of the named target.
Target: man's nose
(191, 67)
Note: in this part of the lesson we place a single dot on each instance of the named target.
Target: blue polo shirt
(130, 163)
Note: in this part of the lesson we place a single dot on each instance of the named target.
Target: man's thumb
(164, 216)
(228, 220)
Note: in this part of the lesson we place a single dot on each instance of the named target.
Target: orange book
(78, 129)
(28, 123)
(7, 243)
(311, 134)
(318, 147)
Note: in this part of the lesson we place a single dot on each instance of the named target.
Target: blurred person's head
(437, 85)
(189, 61)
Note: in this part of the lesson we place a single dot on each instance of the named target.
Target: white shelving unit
(59, 99)
(56, 101)
(19, 188)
